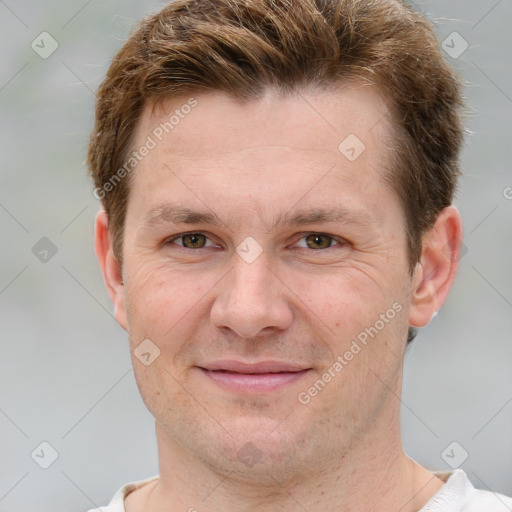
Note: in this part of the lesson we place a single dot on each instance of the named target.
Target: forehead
(314, 119)
(275, 149)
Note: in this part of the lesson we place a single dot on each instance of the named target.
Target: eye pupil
(194, 237)
(317, 237)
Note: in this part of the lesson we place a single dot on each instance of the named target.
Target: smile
(253, 378)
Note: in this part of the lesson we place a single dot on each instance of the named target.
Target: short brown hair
(242, 47)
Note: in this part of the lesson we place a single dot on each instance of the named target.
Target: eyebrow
(177, 215)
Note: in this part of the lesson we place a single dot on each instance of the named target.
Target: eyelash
(339, 241)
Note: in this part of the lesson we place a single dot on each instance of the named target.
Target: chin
(258, 450)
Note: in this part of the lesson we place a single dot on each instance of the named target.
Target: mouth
(261, 377)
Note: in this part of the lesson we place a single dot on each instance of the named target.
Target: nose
(252, 298)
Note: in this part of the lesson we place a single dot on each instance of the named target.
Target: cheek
(166, 399)
(339, 303)
(362, 323)
(158, 297)
(160, 304)
(345, 302)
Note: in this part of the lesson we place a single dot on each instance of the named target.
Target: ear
(434, 274)
(110, 268)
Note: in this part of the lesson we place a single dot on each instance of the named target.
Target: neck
(373, 474)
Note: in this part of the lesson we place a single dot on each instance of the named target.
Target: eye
(318, 241)
(314, 241)
(191, 240)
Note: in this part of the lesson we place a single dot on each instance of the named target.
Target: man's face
(253, 288)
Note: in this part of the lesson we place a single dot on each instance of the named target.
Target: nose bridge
(249, 299)
(251, 278)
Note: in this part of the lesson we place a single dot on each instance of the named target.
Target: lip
(259, 367)
(261, 377)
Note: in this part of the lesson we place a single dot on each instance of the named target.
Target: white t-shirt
(456, 495)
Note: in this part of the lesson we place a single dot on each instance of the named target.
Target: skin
(302, 300)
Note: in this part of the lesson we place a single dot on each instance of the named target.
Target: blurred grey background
(65, 370)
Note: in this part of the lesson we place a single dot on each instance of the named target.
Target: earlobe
(110, 268)
(434, 274)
